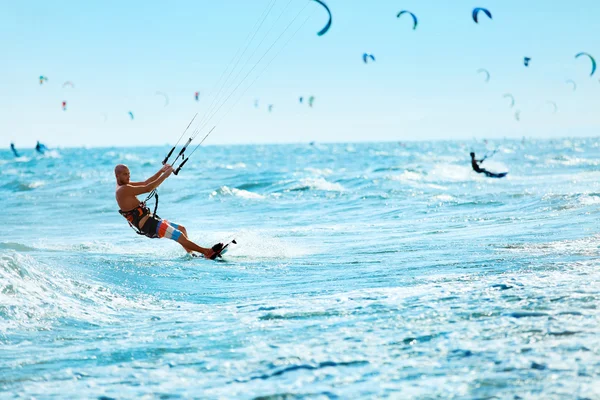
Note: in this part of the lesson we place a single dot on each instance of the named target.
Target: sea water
(364, 270)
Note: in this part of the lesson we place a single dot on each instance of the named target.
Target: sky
(423, 85)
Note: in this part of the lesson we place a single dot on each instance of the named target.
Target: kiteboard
(219, 250)
(495, 175)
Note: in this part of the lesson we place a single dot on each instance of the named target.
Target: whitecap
(227, 191)
(443, 198)
(319, 184)
(408, 176)
(319, 171)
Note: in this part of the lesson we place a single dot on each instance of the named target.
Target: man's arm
(150, 186)
(151, 179)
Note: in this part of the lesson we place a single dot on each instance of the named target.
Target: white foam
(317, 171)
(33, 296)
(572, 161)
(227, 191)
(35, 184)
(588, 200)
(321, 184)
(239, 165)
(438, 187)
(408, 176)
(130, 157)
(450, 172)
(585, 246)
(50, 154)
(444, 198)
(258, 245)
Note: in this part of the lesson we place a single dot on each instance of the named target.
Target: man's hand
(165, 168)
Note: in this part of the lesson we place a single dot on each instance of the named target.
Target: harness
(137, 214)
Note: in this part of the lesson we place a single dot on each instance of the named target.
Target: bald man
(140, 217)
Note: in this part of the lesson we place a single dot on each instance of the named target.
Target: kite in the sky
(328, 25)
(486, 72)
(367, 56)
(591, 59)
(476, 14)
(553, 105)
(414, 17)
(512, 99)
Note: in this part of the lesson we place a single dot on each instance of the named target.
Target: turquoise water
(362, 271)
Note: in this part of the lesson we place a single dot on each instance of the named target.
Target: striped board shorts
(168, 230)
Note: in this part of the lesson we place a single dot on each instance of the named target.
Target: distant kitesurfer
(140, 217)
(14, 150)
(40, 148)
(475, 164)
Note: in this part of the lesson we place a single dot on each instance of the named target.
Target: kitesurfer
(475, 164)
(14, 150)
(40, 148)
(144, 221)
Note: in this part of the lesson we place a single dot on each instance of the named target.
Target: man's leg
(178, 233)
(188, 244)
(184, 233)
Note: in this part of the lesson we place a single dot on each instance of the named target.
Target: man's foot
(215, 251)
(208, 254)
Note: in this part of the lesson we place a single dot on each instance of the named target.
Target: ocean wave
(299, 315)
(589, 199)
(239, 165)
(22, 159)
(255, 185)
(443, 198)
(34, 297)
(98, 246)
(51, 154)
(572, 161)
(451, 173)
(18, 186)
(317, 184)
(587, 246)
(409, 176)
(257, 245)
(319, 171)
(16, 246)
(386, 169)
(130, 157)
(310, 367)
(244, 194)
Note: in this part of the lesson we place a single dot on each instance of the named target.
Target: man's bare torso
(128, 202)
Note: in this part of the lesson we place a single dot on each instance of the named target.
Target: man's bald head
(120, 168)
(122, 174)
